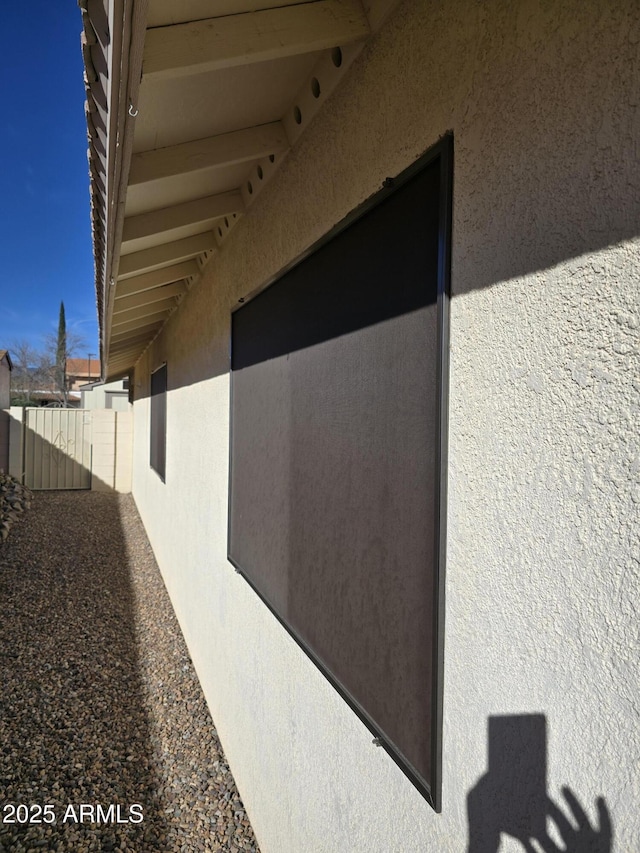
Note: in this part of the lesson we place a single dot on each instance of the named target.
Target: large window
(159, 420)
(337, 458)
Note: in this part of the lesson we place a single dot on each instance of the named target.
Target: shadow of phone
(511, 797)
(518, 772)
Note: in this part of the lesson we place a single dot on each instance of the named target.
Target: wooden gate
(57, 448)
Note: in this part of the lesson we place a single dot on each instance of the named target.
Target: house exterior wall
(544, 479)
(110, 395)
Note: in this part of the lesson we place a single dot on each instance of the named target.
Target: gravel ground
(99, 701)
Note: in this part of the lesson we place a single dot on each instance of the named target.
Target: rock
(15, 500)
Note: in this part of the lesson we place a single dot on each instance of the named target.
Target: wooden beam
(167, 253)
(378, 11)
(121, 366)
(127, 337)
(126, 356)
(138, 323)
(157, 278)
(125, 344)
(226, 149)
(157, 294)
(119, 349)
(215, 43)
(198, 212)
(141, 343)
(141, 311)
(131, 351)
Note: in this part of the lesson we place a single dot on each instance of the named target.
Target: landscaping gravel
(99, 702)
(14, 500)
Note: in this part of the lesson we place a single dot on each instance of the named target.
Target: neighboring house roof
(83, 367)
(204, 105)
(4, 353)
(122, 383)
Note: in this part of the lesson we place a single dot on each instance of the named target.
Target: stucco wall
(544, 475)
(106, 396)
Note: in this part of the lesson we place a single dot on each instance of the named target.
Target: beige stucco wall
(544, 477)
(110, 395)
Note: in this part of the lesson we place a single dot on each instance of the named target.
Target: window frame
(430, 788)
(158, 421)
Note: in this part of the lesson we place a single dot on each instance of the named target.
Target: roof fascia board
(128, 19)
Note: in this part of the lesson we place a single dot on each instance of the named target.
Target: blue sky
(45, 233)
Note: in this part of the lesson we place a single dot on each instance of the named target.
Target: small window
(159, 420)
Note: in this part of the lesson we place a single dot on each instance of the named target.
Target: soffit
(183, 187)
(214, 94)
(207, 104)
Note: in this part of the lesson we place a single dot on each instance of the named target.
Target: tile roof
(78, 367)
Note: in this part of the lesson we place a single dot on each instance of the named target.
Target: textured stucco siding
(544, 469)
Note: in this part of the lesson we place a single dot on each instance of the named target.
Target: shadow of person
(511, 797)
(580, 836)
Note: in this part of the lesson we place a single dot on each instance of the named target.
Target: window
(338, 471)
(159, 420)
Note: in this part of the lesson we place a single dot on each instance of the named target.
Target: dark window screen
(158, 419)
(334, 460)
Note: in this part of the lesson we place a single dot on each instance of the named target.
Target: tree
(59, 348)
(61, 357)
(43, 370)
(29, 374)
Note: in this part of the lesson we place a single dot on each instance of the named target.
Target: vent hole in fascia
(260, 172)
(315, 87)
(250, 187)
(336, 57)
(297, 115)
(220, 231)
(226, 221)
(272, 158)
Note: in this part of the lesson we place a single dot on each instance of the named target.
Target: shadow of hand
(583, 839)
(484, 829)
